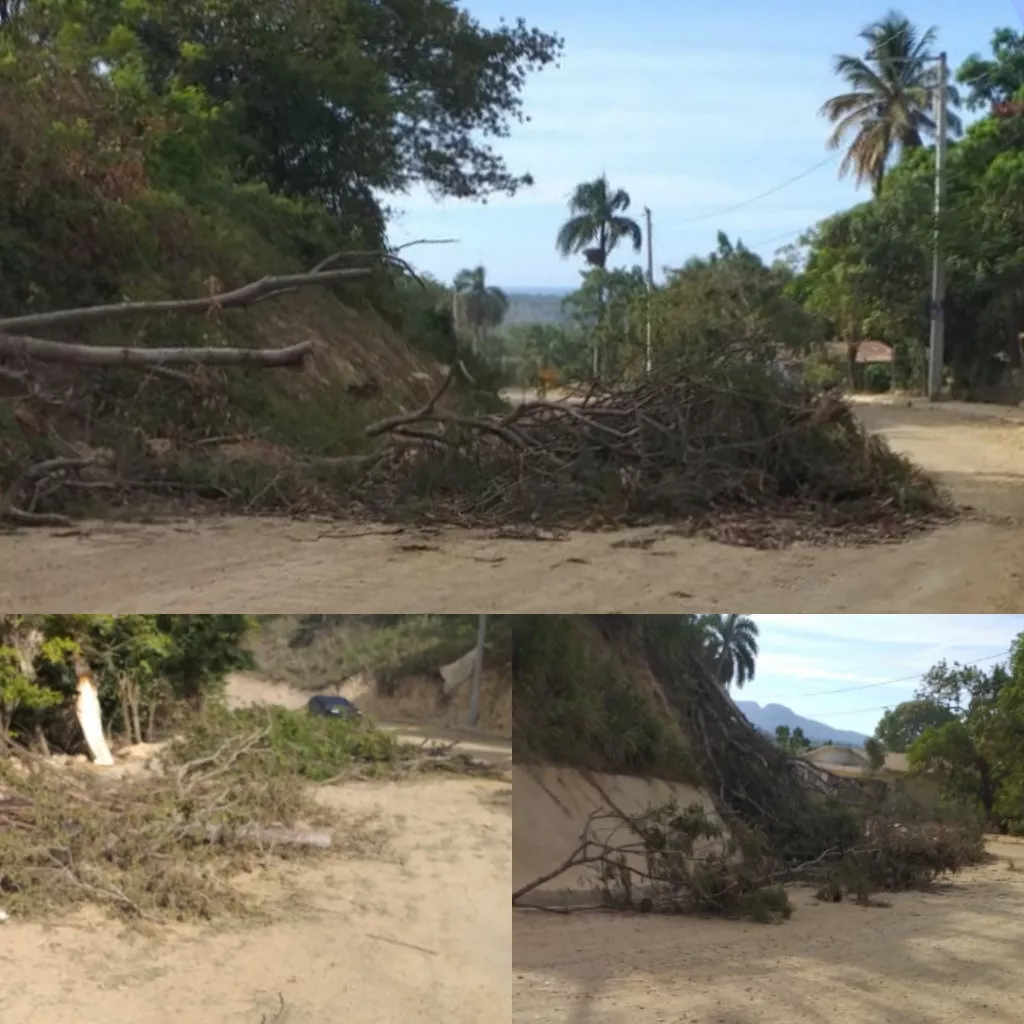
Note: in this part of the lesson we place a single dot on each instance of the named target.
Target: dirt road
(276, 566)
(420, 936)
(950, 957)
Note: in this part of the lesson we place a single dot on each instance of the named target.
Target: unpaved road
(951, 957)
(420, 937)
(265, 565)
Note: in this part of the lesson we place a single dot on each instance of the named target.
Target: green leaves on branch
(979, 750)
(143, 665)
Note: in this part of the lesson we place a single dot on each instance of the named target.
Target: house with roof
(842, 762)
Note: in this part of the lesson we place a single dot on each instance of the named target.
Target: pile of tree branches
(733, 450)
(166, 838)
(776, 822)
(33, 490)
(676, 860)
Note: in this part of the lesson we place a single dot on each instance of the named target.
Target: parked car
(337, 707)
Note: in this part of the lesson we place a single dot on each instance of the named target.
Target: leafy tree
(876, 753)
(337, 101)
(143, 666)
(598, 223)
(20, 645)
(996, 80)
(203, 650)
(890, 98)
(903, 725)
(610, 304)
(596, 226)
(730, 306)
(976, 751)
(484, 305)
(733, 648)
(792, 741)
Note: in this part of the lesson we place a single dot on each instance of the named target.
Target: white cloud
(778, 663)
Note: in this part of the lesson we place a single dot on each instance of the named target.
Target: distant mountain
(770, 716)
(539, 307)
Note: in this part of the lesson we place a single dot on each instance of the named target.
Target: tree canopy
(979, 749)
(339, 102)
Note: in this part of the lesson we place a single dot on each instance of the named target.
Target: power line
(887, 682)
(756, 199)
(796, 177)
(1013, 143)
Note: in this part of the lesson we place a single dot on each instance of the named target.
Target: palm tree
(596, 227)
(733, 648)
(483, 305)
(891, 98)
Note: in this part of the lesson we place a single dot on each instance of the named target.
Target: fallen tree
(165, 840)
(734, 451)
(672, 859)
(19, 499)
(775, 822)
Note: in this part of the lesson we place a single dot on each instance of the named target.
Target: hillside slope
(389, 666)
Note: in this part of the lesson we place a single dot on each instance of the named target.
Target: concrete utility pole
(478, 662)
(938, 314)
(650, 288)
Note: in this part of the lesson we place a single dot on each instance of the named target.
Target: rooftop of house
(867, 351)
(843, 760)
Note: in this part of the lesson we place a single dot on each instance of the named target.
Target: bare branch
(109, 355)
(248, 294)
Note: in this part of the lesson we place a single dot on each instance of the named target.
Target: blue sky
(689, 107)
(840, 669)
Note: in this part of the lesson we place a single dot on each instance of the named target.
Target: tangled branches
(234, 793)
(722, 450)
(669, 859)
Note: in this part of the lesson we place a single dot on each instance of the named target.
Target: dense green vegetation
(966, 724)
(146, 669)
(864, 273)
(582, 702)
(155, 151)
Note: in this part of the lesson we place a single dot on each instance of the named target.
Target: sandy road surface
(423, 938)
(266, 565)
(951, 957)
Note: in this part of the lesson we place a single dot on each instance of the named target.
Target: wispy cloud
(690, 109)
(851, 665)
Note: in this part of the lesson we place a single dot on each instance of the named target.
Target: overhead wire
(698, 218)
(867, 686)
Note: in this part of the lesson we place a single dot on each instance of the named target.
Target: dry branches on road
(731, 450)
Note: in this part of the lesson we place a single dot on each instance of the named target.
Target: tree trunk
(87, 710)
(987, 789)
(43, 351)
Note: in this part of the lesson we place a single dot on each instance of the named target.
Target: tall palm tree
(483, 305)
(732, 641)
(891, 98)
(596, 226)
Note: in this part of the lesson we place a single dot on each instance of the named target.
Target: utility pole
(938, 314)
(650, 289)
(478, 662)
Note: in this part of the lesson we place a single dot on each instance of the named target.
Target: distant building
(852, 763)
(868, 352)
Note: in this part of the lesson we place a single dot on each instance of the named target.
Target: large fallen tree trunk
(109, 355)
(255, 291)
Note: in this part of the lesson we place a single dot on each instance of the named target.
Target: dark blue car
(337, 707)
